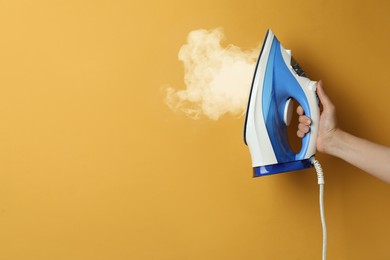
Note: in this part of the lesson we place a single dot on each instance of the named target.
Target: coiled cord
(321, 182)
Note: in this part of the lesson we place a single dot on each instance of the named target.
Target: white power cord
(321, 182)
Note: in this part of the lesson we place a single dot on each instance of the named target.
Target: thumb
(325, 101)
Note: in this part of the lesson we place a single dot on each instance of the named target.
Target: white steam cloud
(217, 79)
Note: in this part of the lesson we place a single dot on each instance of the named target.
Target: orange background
(94, 165)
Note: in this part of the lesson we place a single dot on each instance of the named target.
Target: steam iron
(278, 79)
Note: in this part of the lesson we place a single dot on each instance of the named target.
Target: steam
(217, 79)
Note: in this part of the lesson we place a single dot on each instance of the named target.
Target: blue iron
(279, 79)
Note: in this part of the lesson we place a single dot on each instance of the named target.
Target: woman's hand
(327, 124)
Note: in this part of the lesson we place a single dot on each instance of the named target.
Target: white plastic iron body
(277, 80)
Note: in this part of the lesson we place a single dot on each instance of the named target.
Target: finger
(304, 120)
(300, 111)
(303, 128)
(300, 134)
(325, 101)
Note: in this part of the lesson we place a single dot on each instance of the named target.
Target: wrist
(333, 141)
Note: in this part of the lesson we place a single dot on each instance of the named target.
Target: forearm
(368, 156)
